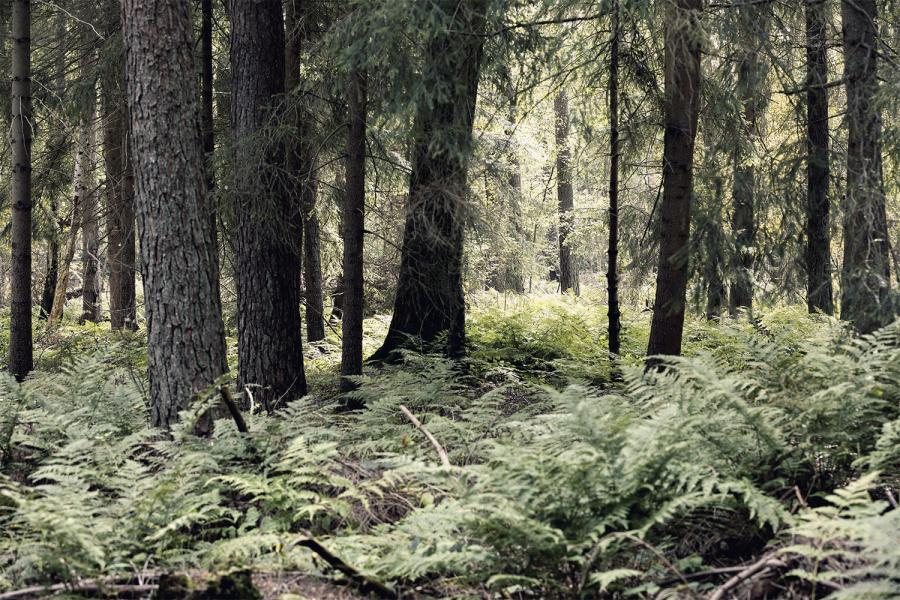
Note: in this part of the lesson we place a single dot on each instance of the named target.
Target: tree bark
(21, 359)
(268, 224)
(353, 227)
(612, 274)
(208, 126)
(818, 240)
(90, 225)
(715, 284)
(753, 22)
(430, 300)
(682, 85)
(185, 337)
(564, 192)
(52, 265)
(866, 276)
(121, 254)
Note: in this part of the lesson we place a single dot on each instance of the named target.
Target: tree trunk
(682, 85)
(753, 21)
(866, 276)
(564, 192)
(21, 359)
(117, 161)
(208, 126)
(430, 300)
(268, 224)
(52, 265)
(65, 268)
(354, 223)
(818, 240)
(312, 269)
(90, 224)
(185, 337)
(612, 274)
(715, 284)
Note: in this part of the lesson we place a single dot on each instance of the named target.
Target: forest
(331, 299)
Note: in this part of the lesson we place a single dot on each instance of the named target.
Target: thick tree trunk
(612, 274)
(564, 192)
(21, 359)
(430, 300)
(866, 276)
(121, 252)
(353, 226)
(818, 240)
(207, 125)
(90, 225)
(682, 84)
(753, 22)
(185, 337)
(268, 236)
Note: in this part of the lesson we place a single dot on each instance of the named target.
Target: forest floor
(764, 463)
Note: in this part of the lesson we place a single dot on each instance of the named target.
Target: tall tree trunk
(715, 284)
(354, 223)
(117, 161)
(90, 232)
(818, 240)
(186, 336)
(65, 267)
(207, 125)
(753, 21)
(52, 265)
(612, 274)
(430, 300)
(301, 164)
(564, 192)
(866, 276)
(682, 85)
(269, 233)
(21, 359)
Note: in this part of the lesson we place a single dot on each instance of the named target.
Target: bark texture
(121, 253)
(353, 226)
(430, 301)
(208, 126)
(866, 276)
(21, 359)
(185, 337)
(564, 193)
(682, 91)
(818, 205)
(612, 273)
(268, 236)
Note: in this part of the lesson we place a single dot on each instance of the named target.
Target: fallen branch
(104, 584)
(445, 460)
(233, 409)
(365, 584)
(763, 564)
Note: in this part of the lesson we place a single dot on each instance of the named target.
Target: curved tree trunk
(268, 236)
(353, 226)
(185, 337)
(866, 275)
(120, 251)
(683, 81)
(21, 358)
(430, 301)
(818, 173)
(564, 192)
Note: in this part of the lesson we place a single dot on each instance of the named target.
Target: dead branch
(445, 460)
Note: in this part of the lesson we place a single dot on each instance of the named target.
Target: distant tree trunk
(337, 298)
(715, 285)
(121, 252)
(52, 265)
(612, 274)
(90, 225)
(818, 240)
(751, 92)
(65, 268)
(866, 276)
(301, 164)
(268, 236)
(207, 125)
(354, 223)
(564, 192)
(186, 337)
(682, 85)
(21, 359)
(430, 299)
